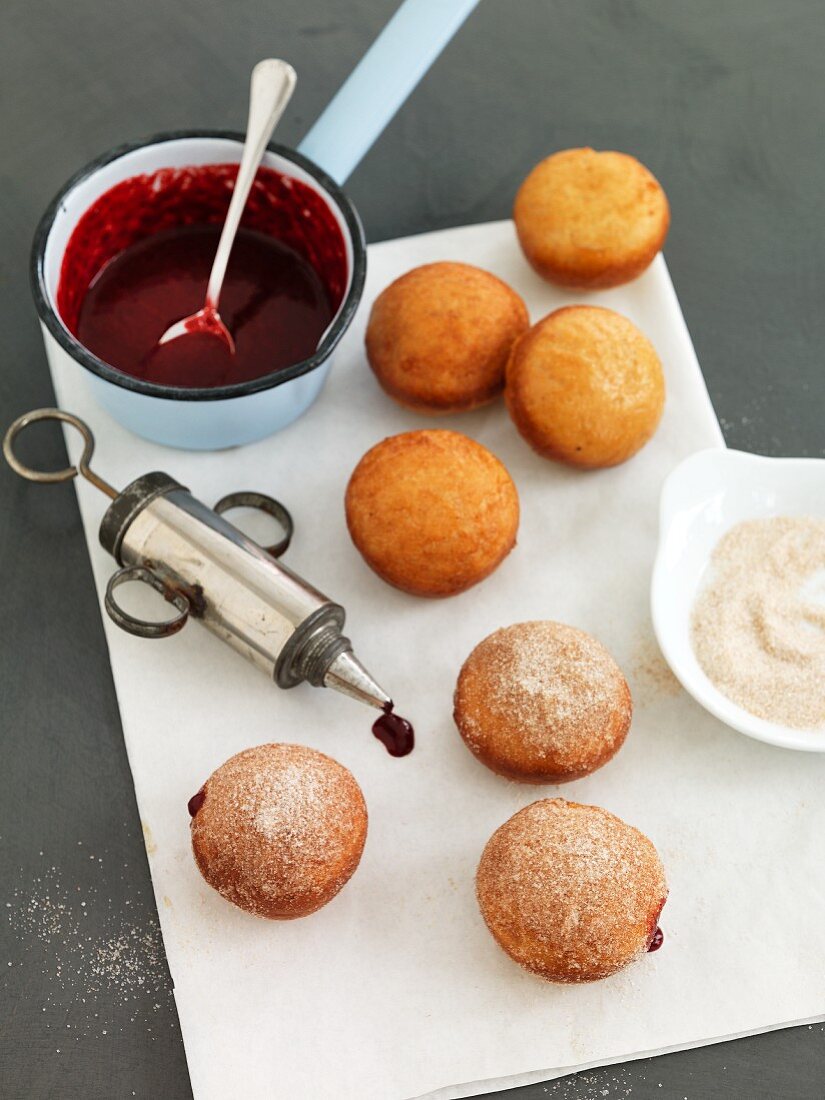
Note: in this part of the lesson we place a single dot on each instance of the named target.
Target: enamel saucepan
(225, 416)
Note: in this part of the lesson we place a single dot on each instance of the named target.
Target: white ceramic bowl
(702, 499)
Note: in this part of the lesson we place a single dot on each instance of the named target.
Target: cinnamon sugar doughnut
(438, 338)
(542, 702)
(432, 512)
(571, 892)
(589, 219)
(278, 830)
(585, 386)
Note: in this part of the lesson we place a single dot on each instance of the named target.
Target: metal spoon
(271, 88)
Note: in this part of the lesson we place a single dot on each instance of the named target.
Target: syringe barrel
(235, 588)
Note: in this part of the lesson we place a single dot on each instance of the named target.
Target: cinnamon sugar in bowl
(702, 500)
(758, 624)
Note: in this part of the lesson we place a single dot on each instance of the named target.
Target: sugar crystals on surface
(758, 625)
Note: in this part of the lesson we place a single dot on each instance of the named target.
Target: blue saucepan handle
(380, 83)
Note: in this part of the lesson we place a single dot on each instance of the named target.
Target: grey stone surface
(723, 101)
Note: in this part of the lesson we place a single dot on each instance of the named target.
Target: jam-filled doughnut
(589, 219)
(571, 892)
(542, 702)
(431, 511)
(278, 830)
(438, 338)
(585, 386)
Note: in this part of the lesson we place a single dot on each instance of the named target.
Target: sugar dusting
(105, 966)
(575, 889)
(650, 673)
(758, 626)
(554, 680)
(556, 686)
(273, 816)
(608, 1083)
(286, 805)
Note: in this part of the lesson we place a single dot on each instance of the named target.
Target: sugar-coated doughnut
(585, 386)
(438, 338)
(589, 219)
(571, 892)
(278, 830)
(431, 511)
(542, 702)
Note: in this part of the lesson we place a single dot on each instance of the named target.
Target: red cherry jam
(394, 732)
(658, 939)
(196, 801)
(139, 260)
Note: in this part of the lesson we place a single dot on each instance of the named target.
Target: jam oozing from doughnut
(394, 732)
(658, 939)
(196, 801)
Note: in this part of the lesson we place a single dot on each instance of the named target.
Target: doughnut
(585, 386)
(278, 830)
(438, 338)
(571, 892)
(542, 702)
(432, 512)
(587, 219)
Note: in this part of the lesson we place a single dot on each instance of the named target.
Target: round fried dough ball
(571, 892)
(588, 219)
(438, 338)
(278, 830)
(585, 386)
(432, 512)
(542, 702)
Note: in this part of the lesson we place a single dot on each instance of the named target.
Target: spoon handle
(270, 91)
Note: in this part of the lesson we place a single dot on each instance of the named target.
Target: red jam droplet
(394, 732)
(139, 260)
(196, 801)
(657, 941)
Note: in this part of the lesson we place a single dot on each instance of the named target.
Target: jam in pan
(139, 260)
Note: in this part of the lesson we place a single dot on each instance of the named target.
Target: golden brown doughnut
(438, 338)
(588, 219)
(585, 386)
(432, 512)
(571, 892)
(278, 830)
(542, 702)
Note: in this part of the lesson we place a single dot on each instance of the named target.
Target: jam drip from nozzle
(394, 732)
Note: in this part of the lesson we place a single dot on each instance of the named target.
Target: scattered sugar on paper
(758, 625)
(650, 674)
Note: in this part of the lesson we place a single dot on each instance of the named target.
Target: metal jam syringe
(210, 571)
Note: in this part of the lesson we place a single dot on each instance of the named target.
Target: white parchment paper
(395, 989)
